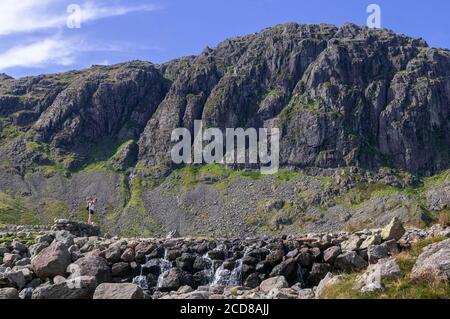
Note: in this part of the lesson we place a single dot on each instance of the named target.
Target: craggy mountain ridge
(349, 102)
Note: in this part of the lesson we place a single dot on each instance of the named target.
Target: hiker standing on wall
(91, 210)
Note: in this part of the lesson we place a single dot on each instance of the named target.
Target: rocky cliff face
(342, 97)
(347, 96)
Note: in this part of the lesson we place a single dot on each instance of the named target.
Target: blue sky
(35, 39)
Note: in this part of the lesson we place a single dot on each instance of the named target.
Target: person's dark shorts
(91, 212)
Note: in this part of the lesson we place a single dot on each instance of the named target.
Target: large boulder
(75, 228)
(317, 273)
(37, 248)
(305, 294)
(391, 246)
(273, 282)
(376, 253)
(305, 258)
(14, 279)
(19, 247)
(9, 260)
(349, 261)
(327, 282)
(142, 250)
(93, 266)
(253, 280)
(275, 257)
(121, 270)
(77, 288)
(9, 293)
(128, 255)
(330, 254)
(45, 238)
(216, 254)
(288, 269)
(64, 237)
(371, 241)
(351, 244)
(3, 251)
(186, 262)
(114, 252)
(434, 262)
(394, 230)
(374, 277)
(174, 279)
(282, 293)
(201, 263)
(118, 291)
(51, 261)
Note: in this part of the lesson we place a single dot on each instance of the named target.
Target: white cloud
(91, 11)
(38, 54)
(28, 16)
(33, 15)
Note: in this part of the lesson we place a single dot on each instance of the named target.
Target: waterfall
(164, 268)
(141, 280)
(225, 277)
(210, 272)
(214, 277)
(236, 275)
(221, 277)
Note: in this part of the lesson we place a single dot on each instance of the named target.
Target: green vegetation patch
(134, 219)
(436, 180)
(9, 240)
(189, 176)
(17, 211)
(403, 288)
(13, 211)
(10, 133)
(284, 175)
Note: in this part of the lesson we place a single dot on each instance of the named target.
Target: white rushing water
(164, 268)
(141, 280)
(215, 277)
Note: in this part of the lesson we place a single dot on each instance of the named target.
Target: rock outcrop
(51, 261)
(433, 263)
(373, 279)
(9, 294)
(118, 291)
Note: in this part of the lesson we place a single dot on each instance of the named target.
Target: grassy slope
(403, 288)
(16, 211)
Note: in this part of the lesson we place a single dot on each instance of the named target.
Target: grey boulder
(9, 294)
(433, 263)
(51, 261)
(350, 261)
(118, 291)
